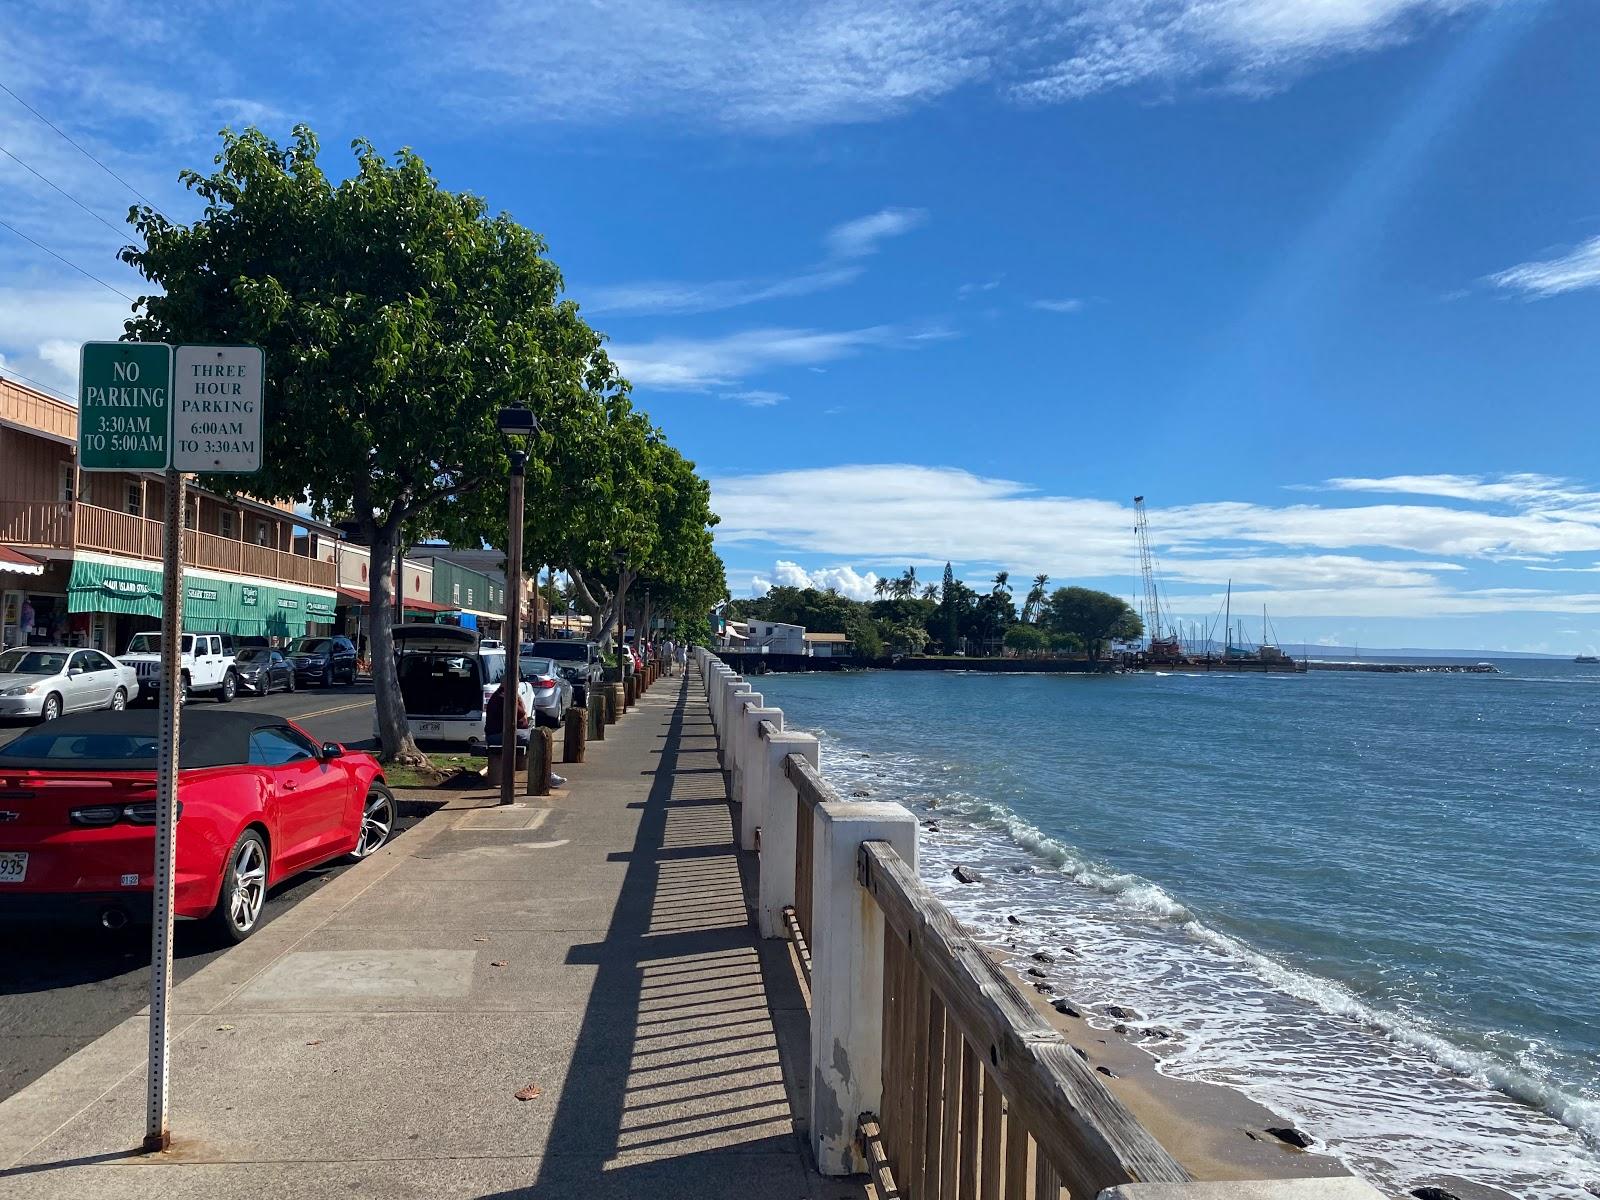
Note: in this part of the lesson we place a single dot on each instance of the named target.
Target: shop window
(131, 501)
(225, 522)
(263, 534)
(64, 482)
(191, 515)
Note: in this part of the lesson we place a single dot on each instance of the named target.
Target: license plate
(13, 866)
(427, 727)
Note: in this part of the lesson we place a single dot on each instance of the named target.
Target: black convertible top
(126, 740)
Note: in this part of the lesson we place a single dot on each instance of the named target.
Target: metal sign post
(156, 1132)
(147, 406)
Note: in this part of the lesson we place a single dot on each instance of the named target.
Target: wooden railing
(33, 523)
(976, 1084)
(810, 790)
(30, 523)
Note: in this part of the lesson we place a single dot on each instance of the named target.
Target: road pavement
(60, 992)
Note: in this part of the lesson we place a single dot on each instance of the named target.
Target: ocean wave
(1236, 1035)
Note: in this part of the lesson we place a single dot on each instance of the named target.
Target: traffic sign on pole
(124, 410)
(216, 409)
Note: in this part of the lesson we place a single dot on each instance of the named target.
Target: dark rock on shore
(862, 792)
(1288, 1133)
(1044, 987)
(1121, 1013)
(1066, 1009)
(967, 875)
(1119, 1027)
(1039, 956)
(931, 826)
(1036, 972)
(1012, 920)
(1081, 1053)
(1107, 1072)
(1436, 1193)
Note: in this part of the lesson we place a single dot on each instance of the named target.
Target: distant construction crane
(1162, 649)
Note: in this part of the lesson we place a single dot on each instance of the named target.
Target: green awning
(220, 604)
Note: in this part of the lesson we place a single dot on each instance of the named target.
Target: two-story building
(80, 552)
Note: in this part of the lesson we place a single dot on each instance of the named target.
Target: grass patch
(441, 768)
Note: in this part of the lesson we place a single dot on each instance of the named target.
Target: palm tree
(906, 586)
(880, 588)
(1035, 600)
(1002, 582)
(930, 591)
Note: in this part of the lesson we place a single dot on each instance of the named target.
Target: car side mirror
(74, 670)
(332, 750)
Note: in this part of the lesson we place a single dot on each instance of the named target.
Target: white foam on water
(1400, 1101)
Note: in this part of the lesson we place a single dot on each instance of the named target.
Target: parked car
(46, 681)
(261, 800)
(445, 681)
(323, 661)
(581, 662)
(207, 664)
(262, 671)
(552, 691)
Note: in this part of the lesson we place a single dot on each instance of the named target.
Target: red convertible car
(258, 800)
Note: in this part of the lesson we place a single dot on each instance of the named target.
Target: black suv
(578, 660)
(322, 660)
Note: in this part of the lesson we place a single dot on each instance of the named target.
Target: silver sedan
(46, 681)
(552, 691)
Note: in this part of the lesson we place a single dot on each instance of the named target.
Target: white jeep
(207, 664)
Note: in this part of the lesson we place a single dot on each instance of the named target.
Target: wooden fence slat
(991, 1163)
(1016, 1158)
(917, 1127)
(933, 1101)
(967, 1182)
(893, 1069)
(1046, 1184)
(954, 1115)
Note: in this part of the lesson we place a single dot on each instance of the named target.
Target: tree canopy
(397, 319)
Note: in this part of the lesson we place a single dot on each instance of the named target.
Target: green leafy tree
(1090, 616)
(864, 636)
(397, 318)
(1025, 639)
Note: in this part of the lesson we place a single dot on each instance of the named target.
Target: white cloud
(848, 240)
(845, 580)
(1574, 271)
(854, 239)
(896, 513)
(694, 364)
(41, 329)
(758, 398)
(773, 66)
(973, 289)
(1069, 305)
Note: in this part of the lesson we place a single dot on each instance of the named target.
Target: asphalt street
(60, 992)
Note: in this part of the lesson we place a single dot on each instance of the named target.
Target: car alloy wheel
(51, 709)
(230, 688)
(327, 676)
(377, 822)
(291, 680)
(119, 700)
(244, 888)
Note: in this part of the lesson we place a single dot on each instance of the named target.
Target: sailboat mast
(1227, 626)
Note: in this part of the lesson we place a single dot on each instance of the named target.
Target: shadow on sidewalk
(687, 1075)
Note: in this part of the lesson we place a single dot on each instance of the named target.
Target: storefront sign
(249, 595)
(318, 608)
(136, 589)
(200, 593)
(285, 602)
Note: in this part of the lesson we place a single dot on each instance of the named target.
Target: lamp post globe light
(515, 422)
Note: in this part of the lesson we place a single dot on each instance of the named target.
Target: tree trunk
(394, 735)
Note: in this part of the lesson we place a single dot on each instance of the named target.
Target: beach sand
(1216, 1132)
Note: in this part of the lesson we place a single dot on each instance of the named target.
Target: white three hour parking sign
(216, 409)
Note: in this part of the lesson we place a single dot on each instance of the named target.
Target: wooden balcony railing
(28, 523)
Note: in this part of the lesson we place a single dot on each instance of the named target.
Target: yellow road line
(322, 712)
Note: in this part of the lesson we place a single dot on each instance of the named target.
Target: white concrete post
(1260, 1189)
(739, 731)
(847, 975)
(730, 698)
(719, 698)
(750, 776)
(778, 815)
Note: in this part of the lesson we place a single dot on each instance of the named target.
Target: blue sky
(956, 279)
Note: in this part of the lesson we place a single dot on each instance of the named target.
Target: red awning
(18, 563)
(352, 596)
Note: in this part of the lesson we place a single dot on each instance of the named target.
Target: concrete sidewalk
(596, 945)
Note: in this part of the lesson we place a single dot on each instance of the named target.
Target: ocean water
(1371, 902)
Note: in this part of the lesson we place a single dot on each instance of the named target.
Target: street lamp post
(515, 422)
(621, 557)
